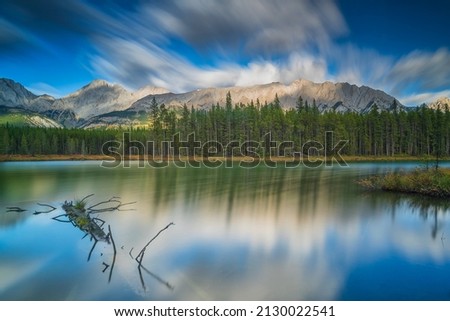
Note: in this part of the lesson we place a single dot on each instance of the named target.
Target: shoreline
(277, 159)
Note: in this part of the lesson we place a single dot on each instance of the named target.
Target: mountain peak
(97, 83)
(14, 94)
(150, 90)
(441, 103)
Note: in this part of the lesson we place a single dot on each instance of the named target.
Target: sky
(55, 47)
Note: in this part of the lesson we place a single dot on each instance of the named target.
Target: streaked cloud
(259, 26)
(139, 64)
(185, 45)
(425, 97)
(422, 71)
(275, 47)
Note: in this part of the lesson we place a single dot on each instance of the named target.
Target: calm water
(239, 234)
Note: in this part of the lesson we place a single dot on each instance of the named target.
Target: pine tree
(23, 147)
(299, 104)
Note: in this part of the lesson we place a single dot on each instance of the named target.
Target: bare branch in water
(80, 216)
(57, 218)
(15, 209)
(52, 208)
(100, 220)
(94, 208)
(92, 249)
(112, 199)
(156, 277)
(86, 197)
(106, 267)
(115, 253)
(141, 254)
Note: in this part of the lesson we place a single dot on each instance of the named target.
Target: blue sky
(401, 47)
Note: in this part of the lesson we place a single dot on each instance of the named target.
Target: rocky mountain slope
(341, 97)
(96, 98)
(442, 103)
(100, 97)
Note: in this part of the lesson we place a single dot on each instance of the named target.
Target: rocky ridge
(101, 103)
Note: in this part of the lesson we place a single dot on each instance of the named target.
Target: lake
(238, 234)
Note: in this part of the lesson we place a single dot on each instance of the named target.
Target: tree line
(416, 132)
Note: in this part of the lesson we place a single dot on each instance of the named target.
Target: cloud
(278, 41)
(184, 45)
(422, 71)
(259, 26)
(425, 97)
(359, 66)
(137, 65)
(415, 78)
(52, 25)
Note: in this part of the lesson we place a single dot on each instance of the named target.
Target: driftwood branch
(99, 220)
(112, 199)
(86, 197)
(141, 254)
(79, 215)
(57, 218)
(118, 207)
(106, 267)
(156, 277)
(52, 208)
(92, 249)
(115, 253)
(15, 209)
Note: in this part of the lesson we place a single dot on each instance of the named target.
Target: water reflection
(244, 234)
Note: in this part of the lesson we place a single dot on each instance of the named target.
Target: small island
(426, 181)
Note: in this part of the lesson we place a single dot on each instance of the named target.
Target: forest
(414, 132)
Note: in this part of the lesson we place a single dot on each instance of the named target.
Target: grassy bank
(429, 182)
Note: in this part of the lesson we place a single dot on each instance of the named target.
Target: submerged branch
(141, 254)
(52, 208)
(14, 209)
(106, 267)
(115, 253)
(156, 277)
(118, 207)
(79, 215)
(57, 218)
(85, 198)
(92, 249)
(112, 199)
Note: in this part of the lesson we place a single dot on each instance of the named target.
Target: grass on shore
(431, 182)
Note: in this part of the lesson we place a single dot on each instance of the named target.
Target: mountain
(102, 104)
(341, 97)
(441, 103)
(96, 98)
(100, 97)
(13, 94)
